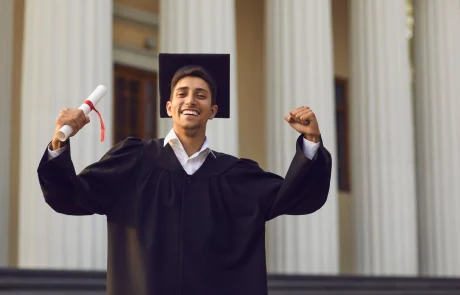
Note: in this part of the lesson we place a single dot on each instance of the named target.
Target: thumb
(289, 119)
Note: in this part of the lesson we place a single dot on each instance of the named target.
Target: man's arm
(309, 148)
(305, 188)
(55, 153)
(306, 185)
(98, 187)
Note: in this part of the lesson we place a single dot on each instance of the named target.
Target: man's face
(190, 104)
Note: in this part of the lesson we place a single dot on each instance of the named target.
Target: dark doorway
(135, 107)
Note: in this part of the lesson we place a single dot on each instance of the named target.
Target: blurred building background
(381, 75)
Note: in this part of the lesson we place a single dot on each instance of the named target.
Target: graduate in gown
(183, 218)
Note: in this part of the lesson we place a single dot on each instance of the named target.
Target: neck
(191, 140)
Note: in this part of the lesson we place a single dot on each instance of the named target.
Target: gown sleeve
(97, 188)
(304, 190)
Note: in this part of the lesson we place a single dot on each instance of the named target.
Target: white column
(203, 26)
(6, 57)
(67, 53)
(382, 148)
(437, 100)
(299, 72)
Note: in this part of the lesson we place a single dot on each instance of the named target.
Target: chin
(190, 126)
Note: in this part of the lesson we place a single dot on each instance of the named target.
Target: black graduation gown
(173, 233)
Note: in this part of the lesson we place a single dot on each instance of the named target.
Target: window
(135, 103)
(341, 113)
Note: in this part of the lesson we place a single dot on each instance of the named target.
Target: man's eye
(181, 94)
(201, 96)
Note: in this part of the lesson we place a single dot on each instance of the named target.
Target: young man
(183, 219)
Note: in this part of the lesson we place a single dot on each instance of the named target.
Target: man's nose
(190, 99)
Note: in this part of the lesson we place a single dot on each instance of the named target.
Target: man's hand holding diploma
(75, 118)
(70, 121)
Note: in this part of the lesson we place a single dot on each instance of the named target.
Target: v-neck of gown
(169, 161)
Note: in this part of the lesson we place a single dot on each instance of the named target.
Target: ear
(168, 108)
(214, 110)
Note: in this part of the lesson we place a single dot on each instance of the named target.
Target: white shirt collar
(172, 139)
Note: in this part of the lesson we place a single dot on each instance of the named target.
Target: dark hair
(195, 71)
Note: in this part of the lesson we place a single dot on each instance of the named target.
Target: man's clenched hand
(303, 120)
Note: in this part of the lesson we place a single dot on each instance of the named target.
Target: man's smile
(190, 112)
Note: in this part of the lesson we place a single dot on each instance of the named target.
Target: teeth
(190, 113)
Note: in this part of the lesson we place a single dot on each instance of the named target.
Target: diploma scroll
(86, 107)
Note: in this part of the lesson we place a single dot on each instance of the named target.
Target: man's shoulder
(234, 159)
(229, 163)
(154, 146)
(138, 140)
(133, 142)
(154, 142)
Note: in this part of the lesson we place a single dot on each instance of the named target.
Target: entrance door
(135, 103)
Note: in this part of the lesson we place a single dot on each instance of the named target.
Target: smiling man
(182, 218)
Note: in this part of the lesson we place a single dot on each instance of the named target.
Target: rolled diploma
(94, 97)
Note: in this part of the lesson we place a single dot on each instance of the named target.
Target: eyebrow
(185, 88)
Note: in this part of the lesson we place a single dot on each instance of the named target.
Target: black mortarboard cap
(216, 65)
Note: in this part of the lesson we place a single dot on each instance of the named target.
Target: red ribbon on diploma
(90, 104)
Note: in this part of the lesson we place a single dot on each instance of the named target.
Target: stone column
(382, 148)
(203, 26)
(299, 72)
(6, 57)
(437, 101)
(67, 53)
